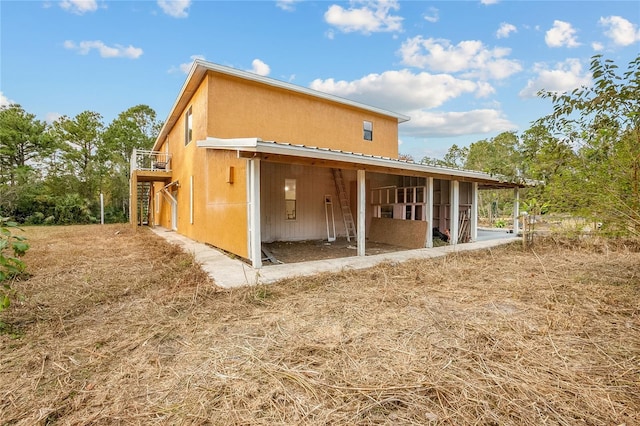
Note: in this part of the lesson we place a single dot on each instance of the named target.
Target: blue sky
(462, 70)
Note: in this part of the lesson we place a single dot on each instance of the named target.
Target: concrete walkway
(229, 273)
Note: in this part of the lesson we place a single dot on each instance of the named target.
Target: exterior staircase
(144, 193)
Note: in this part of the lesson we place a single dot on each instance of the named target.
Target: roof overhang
(200, 68)
(323, 157)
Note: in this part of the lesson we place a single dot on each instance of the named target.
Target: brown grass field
(115, 327)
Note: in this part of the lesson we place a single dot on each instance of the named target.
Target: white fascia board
(232, 143)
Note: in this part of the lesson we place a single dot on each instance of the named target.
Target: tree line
(585, 156)
(54, 173)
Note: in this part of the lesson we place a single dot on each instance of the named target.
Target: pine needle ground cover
(119, 327)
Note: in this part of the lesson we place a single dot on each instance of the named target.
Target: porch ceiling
(279, 152)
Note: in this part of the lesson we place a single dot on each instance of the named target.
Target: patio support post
(516, 210)
(429, 212)
(455, 211)
(255, 238)
(362, 197)
(474, 211)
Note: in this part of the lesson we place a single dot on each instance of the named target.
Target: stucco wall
(240, 108)
(229, 107)
(219, 208)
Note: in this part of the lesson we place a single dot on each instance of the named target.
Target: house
(244, 160)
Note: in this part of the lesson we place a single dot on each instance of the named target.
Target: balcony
(150, 160)
(150, 165)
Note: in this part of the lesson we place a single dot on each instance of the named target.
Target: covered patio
(428, 183)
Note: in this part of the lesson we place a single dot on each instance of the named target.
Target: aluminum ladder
(349, 224)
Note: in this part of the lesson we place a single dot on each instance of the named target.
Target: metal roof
(256, 147)
(200, 68)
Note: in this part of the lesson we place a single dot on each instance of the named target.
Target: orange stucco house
(244, 160)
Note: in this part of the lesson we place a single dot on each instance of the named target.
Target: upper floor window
(188, 126)
(367, 127)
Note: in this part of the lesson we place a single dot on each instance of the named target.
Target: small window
(290, 198)
(188, 127)
(368, 130)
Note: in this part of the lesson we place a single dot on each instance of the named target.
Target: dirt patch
(117, 327)
(305, 251)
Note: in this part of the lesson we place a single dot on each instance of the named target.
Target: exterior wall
(219, 207)
(312, 184)
(213, 210)
(240, 108)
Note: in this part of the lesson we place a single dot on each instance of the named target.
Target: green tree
(600, 124)
(24, 143)
(137, 127)
(23, 140)
(498, 156)
(80, 139)
(455, 157)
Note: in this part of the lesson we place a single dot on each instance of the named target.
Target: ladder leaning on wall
(349, 224)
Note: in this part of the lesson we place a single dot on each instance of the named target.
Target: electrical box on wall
(230, 174)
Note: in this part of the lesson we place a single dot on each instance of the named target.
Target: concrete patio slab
(228, 272)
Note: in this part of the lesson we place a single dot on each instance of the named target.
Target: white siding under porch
(312, 184)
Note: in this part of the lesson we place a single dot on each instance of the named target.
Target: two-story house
(244, 159)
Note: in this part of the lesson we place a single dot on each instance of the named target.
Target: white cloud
(470, 56)
(433, 15)
(402, 90)
(175, 8)
(4, 101)
(505, 30)
(620, 31)
(415, 94)
(288, 5)
(259, 67)
(186, 66)
(597, 46)
(373, 16)
(50, 117)
(117, 51)
(488, 2)
(79, 7)
(443, 124)
(566, 76)
(561, 34)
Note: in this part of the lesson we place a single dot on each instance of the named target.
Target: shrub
(12, 247)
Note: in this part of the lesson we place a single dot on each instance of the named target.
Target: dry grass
(122, 328)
